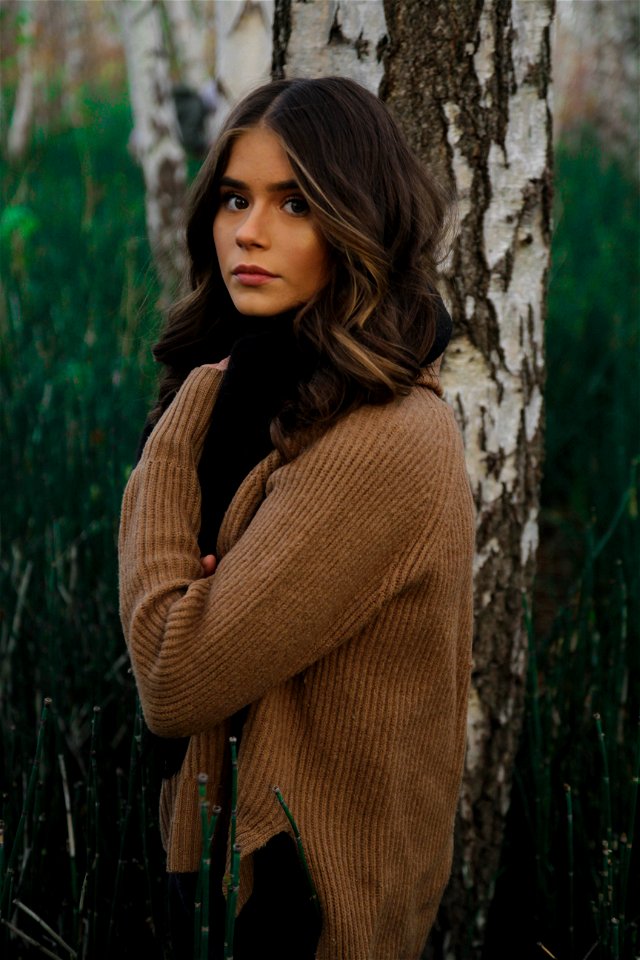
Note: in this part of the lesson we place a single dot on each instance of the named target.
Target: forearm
(158, 552)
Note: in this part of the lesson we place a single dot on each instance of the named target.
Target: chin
(249, 307)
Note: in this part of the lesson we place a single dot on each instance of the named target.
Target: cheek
(316, 258)
(323, 263)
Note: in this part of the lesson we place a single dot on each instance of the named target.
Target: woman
(296, 540)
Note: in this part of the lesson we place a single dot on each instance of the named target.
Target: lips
(250, 275)
(251, 270)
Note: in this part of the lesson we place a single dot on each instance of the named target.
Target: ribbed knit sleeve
(311, 567)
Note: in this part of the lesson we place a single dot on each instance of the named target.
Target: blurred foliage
(77, 317)
(593, 333)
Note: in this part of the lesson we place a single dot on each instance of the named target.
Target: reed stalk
(628, 838)
(144, 830)
(71, 839)
(202, 905)
(1, 853)
(606, 799)
(45, 926)
(234, 798)
(133, 769)
(27, 939)
(38, 818)
(7, 883)
(95, 738)
(205, 867)
(615, 939)
(567, 790)
(313, 894)
(232, 899)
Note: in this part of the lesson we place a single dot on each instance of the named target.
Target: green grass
(77, 317)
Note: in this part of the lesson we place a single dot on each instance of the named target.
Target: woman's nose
(252, 231)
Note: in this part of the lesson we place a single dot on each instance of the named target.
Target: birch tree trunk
(469, 83)
(156, 137)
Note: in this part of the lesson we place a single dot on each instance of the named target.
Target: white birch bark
(498, 393)
(339, 37)
(21, 125)
(157, 141)
(469, 83)
(243, 49)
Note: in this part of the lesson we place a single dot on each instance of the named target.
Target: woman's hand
(208, 565)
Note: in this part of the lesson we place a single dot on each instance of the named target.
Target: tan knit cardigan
(341, 611)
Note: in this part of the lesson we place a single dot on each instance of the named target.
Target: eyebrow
(278, 187)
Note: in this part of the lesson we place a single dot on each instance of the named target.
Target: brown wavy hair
(384, 219)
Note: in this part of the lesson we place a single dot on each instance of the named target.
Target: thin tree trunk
(197, 89)
(189, 38)
(243, 49)
(77, 26)
(156, 138)
(20, 128)
(469, 83)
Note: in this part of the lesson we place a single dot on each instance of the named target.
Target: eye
(233, 201)
(297, 206)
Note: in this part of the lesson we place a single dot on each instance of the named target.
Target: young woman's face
(271, 255)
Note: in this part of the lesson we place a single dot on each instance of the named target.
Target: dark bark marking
(336, 36)
(281, 35)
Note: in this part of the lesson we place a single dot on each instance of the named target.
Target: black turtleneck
(265, 365)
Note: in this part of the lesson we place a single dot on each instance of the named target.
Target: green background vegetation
(77, 317)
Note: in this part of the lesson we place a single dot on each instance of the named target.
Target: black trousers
(278, 919)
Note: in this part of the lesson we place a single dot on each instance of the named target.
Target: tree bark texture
(330, 37)
(468, 81)
(156, 138)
